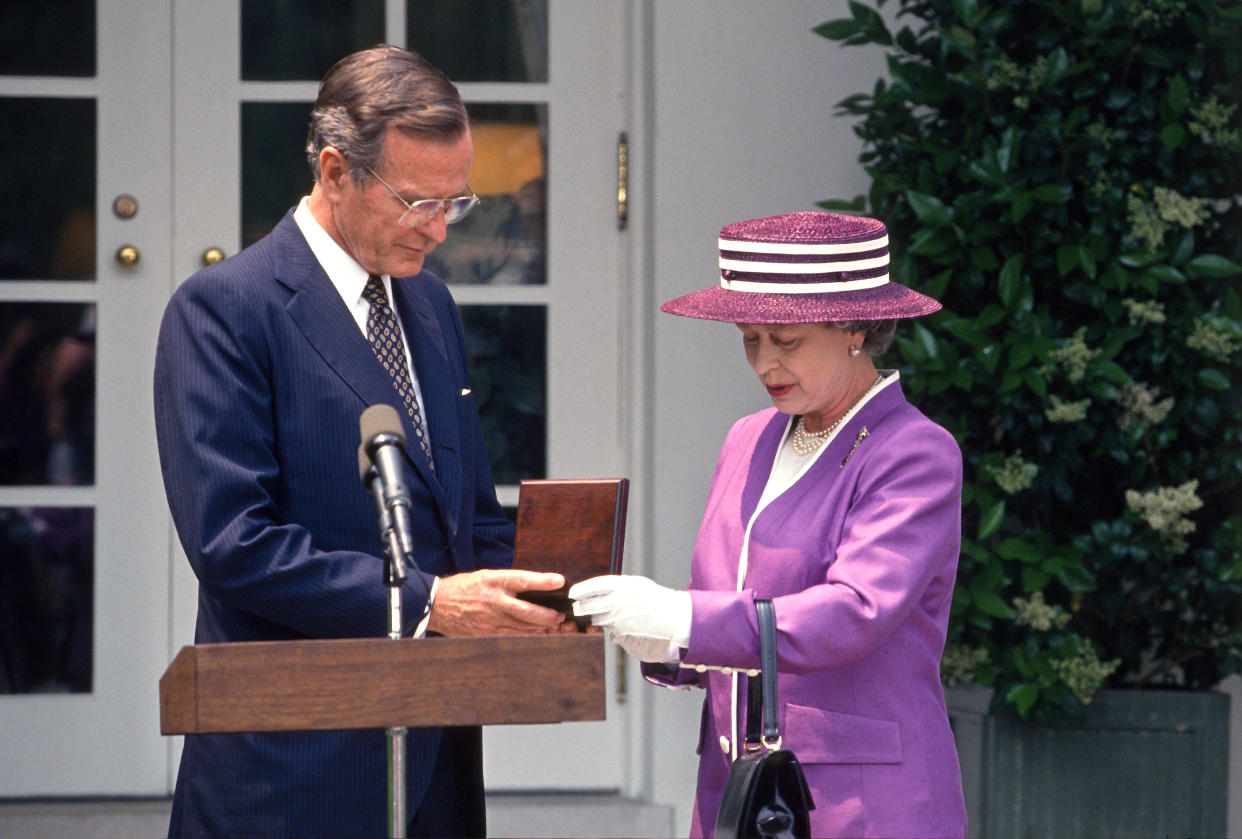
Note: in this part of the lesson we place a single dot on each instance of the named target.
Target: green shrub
(1064, 175)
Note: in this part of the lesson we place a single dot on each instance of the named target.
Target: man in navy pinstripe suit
(262, 371)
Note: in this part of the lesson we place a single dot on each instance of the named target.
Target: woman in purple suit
(841, 504)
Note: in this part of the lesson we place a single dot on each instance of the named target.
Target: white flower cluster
(1074, 355)
(1015, 474)
(1060, 411)
(1165, 510)
(1141, 312)
(1210, 120)
(1213, 337)
(1085, 674)
(1039, 615)
(959, 663)
(1141, 405)
(1150, 221)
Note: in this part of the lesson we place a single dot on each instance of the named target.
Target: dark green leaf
(1023, 697)
(1212, 265)
(1015, 548)
(928, 208)
(839, 30)
(1008, 151)
(1057, 66)
(1020, 206)
(1035, 382)
(1163, 274)
(1172, 135)
(990, 603)
(857, 205)
(1009, 284)
(1053, 193)
(926, 340)
(990, 522)
(932, 241)
(1076, 578)
(1111, 371)
(1179, 95)
(1212, 378)
(1020, 355)
(1067, 259)
(965, 10)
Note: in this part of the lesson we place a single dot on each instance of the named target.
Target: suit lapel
(438, 386)
(319, 313)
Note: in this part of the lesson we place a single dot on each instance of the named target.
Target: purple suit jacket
(859, 557)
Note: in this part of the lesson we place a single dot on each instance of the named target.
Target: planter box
(1144, 763)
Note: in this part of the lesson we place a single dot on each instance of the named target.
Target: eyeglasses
(424, 210)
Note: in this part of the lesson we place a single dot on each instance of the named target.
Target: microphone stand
(379, 465)
(394, 576)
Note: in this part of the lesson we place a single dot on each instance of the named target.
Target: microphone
(382, 472)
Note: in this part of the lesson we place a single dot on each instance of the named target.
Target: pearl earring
(855, 351)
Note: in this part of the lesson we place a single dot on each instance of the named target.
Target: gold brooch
(862, 435)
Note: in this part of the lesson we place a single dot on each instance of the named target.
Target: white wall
(741, 126)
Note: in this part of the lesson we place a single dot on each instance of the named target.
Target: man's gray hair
(368, 92)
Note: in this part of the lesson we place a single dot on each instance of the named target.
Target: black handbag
(766, 794)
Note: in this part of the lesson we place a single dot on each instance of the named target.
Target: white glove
(635, 606)
(647, 649)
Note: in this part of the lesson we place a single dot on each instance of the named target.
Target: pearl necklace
(807, 442)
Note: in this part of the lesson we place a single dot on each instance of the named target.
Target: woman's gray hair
(368, 92)
(879, 333)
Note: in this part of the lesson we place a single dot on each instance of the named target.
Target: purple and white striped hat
(803, 268)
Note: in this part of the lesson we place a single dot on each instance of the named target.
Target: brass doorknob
(212, 256)
(127, 256)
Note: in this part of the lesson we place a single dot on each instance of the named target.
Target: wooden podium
(381, 683)
(575, 527)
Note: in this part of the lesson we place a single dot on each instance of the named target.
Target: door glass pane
(273, 171)
(300, 39)
(504, 241)
(482, 40)
(46, 599)
(508, 351)
(48, 38)
(47, 394)
(47, 189)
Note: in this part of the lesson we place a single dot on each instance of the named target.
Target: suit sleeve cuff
(420, 629)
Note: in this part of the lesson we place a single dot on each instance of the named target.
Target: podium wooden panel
(378, 683)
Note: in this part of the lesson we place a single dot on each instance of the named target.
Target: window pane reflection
(300, 39)
(48, 38)
(47, 189)
(504, 241)
(274, 171)
(507, 348)
(482, 40)
(46, 597)
(47, 393)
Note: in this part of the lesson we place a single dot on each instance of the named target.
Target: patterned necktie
(385, 337)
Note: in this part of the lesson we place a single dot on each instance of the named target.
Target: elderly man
(265, 363)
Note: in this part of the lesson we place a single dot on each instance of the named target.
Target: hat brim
(886, 302)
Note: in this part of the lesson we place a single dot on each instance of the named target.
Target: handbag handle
(761, 690)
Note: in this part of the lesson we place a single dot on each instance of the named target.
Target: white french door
(85, 235)
(175, 135)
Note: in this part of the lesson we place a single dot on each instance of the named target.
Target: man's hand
(483, 603)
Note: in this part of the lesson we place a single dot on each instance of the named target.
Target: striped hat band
(802, 267)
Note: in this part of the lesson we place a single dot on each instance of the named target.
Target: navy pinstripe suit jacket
(261, 375)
